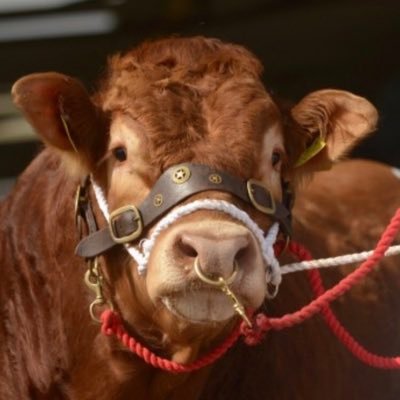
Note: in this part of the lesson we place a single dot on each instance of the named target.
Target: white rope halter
(141, 253)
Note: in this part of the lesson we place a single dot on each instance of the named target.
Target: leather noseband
(175, 185)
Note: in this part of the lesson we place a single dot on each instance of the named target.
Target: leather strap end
(95, 244)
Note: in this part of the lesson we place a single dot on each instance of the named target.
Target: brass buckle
(132, 236)
(250, 190)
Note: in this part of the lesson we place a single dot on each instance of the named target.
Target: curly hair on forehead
(197, 55)
(184, 90)
(198, 63)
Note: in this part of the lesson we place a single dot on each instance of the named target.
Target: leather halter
(175, 185)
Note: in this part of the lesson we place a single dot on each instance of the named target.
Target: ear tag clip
(316, 146)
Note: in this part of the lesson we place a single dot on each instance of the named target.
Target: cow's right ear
(330, 123)
(61, 112)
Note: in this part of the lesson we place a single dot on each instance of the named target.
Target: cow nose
(217, 256)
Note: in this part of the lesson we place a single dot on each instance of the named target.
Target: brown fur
(175, 89)
(197, 100)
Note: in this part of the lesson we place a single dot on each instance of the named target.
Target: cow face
(188, 100)
(163, 118)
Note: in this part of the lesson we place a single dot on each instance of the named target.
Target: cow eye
(276, 159)
(120, 153)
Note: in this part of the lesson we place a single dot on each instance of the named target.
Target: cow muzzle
(215, 255)
(206, 269)
(127, 223)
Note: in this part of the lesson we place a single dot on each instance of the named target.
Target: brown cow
(165, 103)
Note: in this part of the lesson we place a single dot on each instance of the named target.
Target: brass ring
(220, 281)
(92, 309)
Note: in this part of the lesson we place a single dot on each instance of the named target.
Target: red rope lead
(112, 324)
(323, 298)
(345, 337)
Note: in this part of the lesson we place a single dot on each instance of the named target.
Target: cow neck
(176, 184)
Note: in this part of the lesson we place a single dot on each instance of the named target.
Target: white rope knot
(141, 253)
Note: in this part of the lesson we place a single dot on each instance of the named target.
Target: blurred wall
(304, 45)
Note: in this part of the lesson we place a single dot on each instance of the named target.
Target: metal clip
(94, 280)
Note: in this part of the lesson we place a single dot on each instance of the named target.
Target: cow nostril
(186, 249)
(244, 255)
(241, 253)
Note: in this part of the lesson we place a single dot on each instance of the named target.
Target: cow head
(187, 100)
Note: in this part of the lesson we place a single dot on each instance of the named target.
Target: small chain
(237, 305)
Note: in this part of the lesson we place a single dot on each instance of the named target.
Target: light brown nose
(217, 252)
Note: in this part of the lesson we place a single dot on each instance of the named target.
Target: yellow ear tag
(316, 146)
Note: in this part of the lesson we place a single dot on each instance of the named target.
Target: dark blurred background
(304, 44)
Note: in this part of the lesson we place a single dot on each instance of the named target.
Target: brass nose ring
(219, 281)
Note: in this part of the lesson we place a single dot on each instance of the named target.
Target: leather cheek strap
(174, 186)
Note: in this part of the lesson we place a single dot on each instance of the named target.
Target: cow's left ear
(331, 122)
(61, 112)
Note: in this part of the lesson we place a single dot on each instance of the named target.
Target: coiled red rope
(112, 324)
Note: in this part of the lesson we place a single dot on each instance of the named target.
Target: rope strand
(323, 298)
(335, 261)
(344, 336)
(342, 287)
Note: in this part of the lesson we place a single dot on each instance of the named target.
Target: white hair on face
(273, 273)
